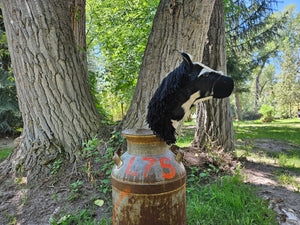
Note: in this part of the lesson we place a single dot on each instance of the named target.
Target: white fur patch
(186, 107)
(203, 99)
(207, 69)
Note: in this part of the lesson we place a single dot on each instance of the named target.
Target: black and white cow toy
(179, 91)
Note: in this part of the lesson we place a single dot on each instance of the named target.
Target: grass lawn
(4, 152)
(286, 130)
(187, 135)
(229, 200)
(226, 201)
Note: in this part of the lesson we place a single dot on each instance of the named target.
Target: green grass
(186, 136)
(227, 201)
(5, 152)
(287, 160)
(286, 130)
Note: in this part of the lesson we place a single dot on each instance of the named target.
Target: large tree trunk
(54, 96)
(214, 119)
(177, 26)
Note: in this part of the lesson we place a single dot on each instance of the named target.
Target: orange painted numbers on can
(149, 165)
(128, 168)
(172, 173)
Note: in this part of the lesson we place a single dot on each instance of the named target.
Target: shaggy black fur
(188, 83)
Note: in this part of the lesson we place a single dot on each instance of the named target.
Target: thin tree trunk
(238, 108)
(54, 96)
(256, 92)
(257, 86)
(214, 118)
(177, 26)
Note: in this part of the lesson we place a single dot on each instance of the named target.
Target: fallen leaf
(99, 202)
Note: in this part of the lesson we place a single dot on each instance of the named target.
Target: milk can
(148, 182)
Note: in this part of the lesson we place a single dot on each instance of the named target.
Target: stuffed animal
(188, 84)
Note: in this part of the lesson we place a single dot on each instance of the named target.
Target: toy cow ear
(186, 58)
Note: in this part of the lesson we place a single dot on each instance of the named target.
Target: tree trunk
(256, 92)
(54, 96)
(238, 108)
(78, 18)
(177, 26)
(214, 119)
(257, 85)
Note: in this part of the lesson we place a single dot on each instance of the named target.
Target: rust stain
(121, 196)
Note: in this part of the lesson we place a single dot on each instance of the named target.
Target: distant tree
(265, 89)
(263, 55)
(287, 89)
(117, 33)
(54, 95)
(249, 27)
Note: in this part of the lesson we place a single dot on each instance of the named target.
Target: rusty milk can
(148, 182)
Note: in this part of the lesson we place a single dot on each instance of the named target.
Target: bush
(267, 112)
(10, 116)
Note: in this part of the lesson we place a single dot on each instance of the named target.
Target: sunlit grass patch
(5, 152)
(285, 178)
(285, 130)
(187, 135)
(289, 159)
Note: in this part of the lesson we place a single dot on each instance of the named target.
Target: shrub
(10, 116)
(267, 112)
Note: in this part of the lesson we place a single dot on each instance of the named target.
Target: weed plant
(84, 217)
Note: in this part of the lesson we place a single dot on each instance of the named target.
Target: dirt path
(284, 197)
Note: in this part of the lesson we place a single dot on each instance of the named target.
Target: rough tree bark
(78, 19)
(214, 119)
(54, 96)
(178, 26)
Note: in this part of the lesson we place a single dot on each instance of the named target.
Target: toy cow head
(179, 91)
